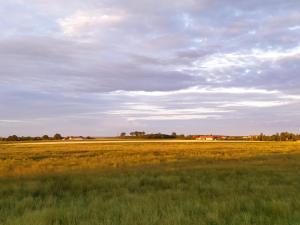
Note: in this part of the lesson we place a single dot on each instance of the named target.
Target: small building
(205, 138)
(210, 137)
(74, 138)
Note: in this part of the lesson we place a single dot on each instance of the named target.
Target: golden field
(37, 158)
(150, 183)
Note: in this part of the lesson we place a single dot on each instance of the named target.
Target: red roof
(202, 136)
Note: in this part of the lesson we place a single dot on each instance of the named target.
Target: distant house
(209, 137)
(246, 137)
(205, 138)
(74, 138)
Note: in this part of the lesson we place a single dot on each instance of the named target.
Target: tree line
(29, 138)
(283, 136)
(142, 134)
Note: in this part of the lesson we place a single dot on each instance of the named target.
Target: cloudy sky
(100, 67)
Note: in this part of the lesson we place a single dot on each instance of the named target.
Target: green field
(150, 183)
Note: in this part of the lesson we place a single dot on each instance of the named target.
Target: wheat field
(150, 183)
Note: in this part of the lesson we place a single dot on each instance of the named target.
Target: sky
(101, 67)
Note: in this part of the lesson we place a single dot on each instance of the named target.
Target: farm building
(205, 138)
(74, 138)
(209, 137)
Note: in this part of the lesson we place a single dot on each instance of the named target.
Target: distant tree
(284, 136)
(57, 137)
(45, 137)
(137, 133)
(13, 138)
(261, 137)
(174, 134)
(181, 136)
(89, 137)
(276, 137)
(123, 134)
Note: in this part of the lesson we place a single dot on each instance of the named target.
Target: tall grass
(197, 188)
(25, 159)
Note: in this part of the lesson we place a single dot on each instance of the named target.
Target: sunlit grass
(150, 183)
(22, 159)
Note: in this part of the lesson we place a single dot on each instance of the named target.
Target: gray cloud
(149, 65)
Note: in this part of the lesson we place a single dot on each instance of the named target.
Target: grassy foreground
(150, 183)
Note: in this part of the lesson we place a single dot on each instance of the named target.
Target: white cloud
(255, 104)
(162, 111)
(197, 90)
(12, 121)
(243, 59)
(196, 102)
(159, 110)
(291, 97)
(294, 28)
(175, 117)
(89, 22)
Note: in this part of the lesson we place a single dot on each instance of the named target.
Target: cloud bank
(99, 67)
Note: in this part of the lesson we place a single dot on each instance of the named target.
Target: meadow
(199, 183)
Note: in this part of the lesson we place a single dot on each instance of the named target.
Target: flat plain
(150, 183)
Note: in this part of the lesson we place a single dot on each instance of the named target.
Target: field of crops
(150, 183)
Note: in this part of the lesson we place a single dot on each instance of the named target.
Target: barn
(205, 138)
